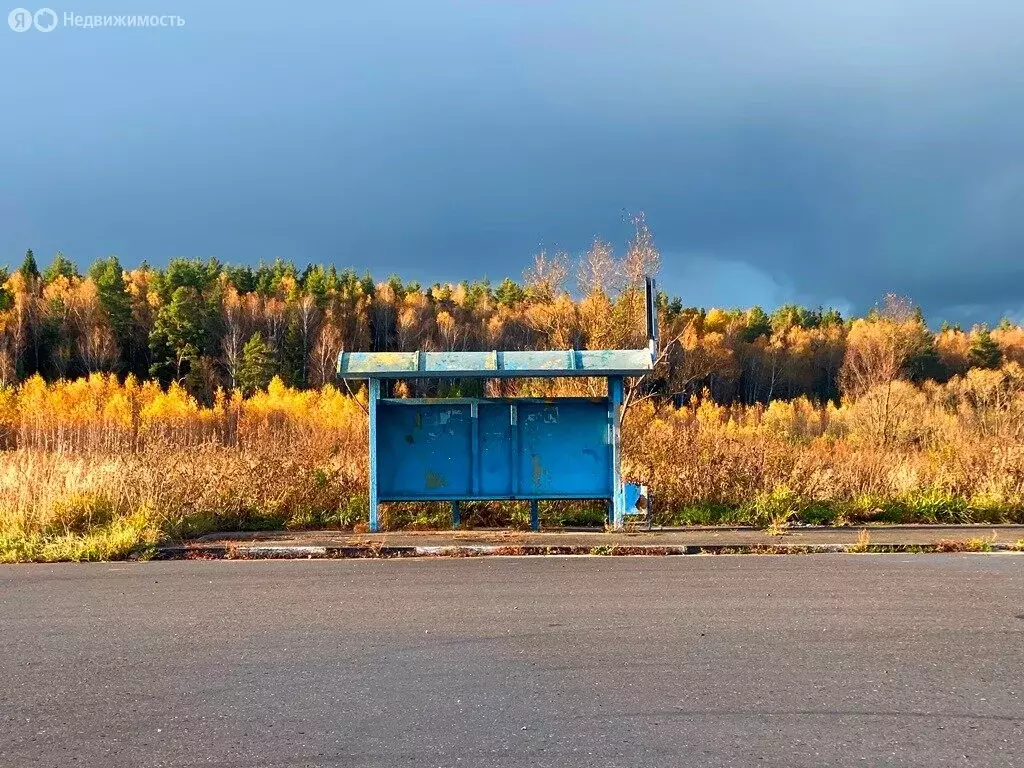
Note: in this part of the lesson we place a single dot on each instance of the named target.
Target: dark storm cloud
(812, 151)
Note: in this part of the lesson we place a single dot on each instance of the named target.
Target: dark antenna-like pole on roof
(652, 316)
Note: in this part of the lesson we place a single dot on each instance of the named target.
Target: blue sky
(822, 152)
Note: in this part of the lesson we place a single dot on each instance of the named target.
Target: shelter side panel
(564, 449)
(424, 451)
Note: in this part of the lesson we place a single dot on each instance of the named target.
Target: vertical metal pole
(615, 395)
(652, 317)
(374, 397)
(456, 516)
(534, 515)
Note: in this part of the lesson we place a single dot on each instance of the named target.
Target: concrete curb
(306, 552)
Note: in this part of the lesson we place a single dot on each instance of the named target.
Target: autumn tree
(1010, 339)
(414, 323)
(599, 281)
(235, 331)
(56, 328)
(307, 317)
(878, 349)
(598, 271)
(641, 260)
(953, 347)
(12, 339)
(545, 279)
(694, 361)
(143, 301)
(95, 342)
(326, 348)
(384, 313)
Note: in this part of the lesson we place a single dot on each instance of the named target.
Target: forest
(208, 326)
(144, 404)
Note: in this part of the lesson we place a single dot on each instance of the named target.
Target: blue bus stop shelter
(481, 449)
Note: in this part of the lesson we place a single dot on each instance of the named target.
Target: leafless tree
(598, 272)
(94, 339)
(545, 279)
(326, 348)
(234, 317)
(309, 318)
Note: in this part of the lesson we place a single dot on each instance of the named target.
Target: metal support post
(615, 396)
(374, 396)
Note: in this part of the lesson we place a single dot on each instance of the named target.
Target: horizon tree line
(208, 325)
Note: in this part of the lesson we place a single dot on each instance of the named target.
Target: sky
(822, 152)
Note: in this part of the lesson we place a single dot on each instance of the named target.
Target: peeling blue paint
(497, 365)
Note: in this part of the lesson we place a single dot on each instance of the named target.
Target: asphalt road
(705, 661)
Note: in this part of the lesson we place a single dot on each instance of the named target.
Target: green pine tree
(831, 317)
(29, 268)
(185, 326)
(293, 352)
(320, 283)
(242, 278)
(61, 266)
(117, 306)
(757, 324)
(924, 362)
(257, 367)
(985, 353)
(509, 293)
(179, 336)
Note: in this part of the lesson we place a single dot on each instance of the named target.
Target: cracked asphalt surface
(850, 660)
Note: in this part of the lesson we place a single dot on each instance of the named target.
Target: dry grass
(94, 469)
(955, 454)
(979, 544)
(101, 470)
(863, 542)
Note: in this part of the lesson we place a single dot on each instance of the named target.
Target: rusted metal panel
(550, 449)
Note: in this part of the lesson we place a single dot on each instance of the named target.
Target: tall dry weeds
(128, 464)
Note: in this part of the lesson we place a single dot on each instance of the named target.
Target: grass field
(99, 469)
